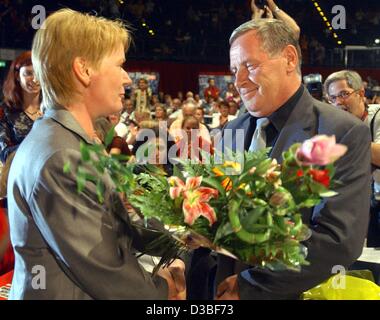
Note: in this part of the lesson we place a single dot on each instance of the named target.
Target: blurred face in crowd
(106, 87)
(211, 82)
(259, 78)
(176, 104)
(341, 95)
(27, 81)
(224, 109)
(160, 113)
(197, 97)
(188, 111)
(114, 118)
(128, 105)
(189, 94)
(141, 116)
(233, 108)
(189, 125)
(143, 85)
(155, 99)
(199, 114)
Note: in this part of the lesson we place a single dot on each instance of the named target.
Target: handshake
(174, 274)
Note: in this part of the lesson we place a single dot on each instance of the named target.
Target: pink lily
(195, 198)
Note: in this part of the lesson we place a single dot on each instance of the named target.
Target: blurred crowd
(197, 30)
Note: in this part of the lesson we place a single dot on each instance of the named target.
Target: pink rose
(320, 150)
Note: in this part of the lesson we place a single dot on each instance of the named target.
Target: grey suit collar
(65, 118)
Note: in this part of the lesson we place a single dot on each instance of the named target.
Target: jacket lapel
(300, 126)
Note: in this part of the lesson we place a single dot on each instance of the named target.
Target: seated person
(220, 119)
(175, 129)
(119, 144)
(192, 141)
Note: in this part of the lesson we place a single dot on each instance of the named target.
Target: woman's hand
(174, 274)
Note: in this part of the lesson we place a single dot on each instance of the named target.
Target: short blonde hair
(65, 35)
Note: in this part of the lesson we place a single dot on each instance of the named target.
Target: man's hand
(228, 289)
(174, 274)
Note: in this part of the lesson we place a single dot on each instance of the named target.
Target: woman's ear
(82, 71)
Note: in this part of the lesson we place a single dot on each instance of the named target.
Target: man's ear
(362, 92)
(82, 71)
(291, 56)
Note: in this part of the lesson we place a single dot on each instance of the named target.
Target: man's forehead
(249, 35)
(247, 42)
(338, 85)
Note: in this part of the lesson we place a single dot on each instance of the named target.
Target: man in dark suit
(265, 60)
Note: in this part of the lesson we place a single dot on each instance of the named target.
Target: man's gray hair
(354, 80)
(274, 34)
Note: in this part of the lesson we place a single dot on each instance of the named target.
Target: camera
(261, 3)
(314, 85)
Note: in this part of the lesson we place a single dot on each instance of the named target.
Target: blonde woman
(86, 248)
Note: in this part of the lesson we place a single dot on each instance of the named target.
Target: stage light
(339, 42)
(325, 19)
(3, 64)
(377, 41)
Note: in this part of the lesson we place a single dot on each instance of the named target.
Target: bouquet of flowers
(248, 207)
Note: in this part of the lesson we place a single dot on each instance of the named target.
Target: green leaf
(84, 152)
(250, 218)
(329, 193)
(81, 182)
(100, 191)
(67, 167)
(317, 188)
(214, 183)
(330, 167)
(109, 137)
(309, 203)
(223, 230)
